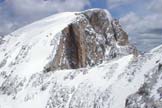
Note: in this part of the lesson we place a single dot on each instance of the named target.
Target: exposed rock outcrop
(91, 39)
(1, 40)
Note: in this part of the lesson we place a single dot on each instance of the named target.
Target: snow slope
(22, 51)
(23, 83)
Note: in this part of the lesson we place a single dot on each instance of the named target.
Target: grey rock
(90, 40)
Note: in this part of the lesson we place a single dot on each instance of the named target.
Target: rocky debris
(3, 62)
(1, 40)
(91, 39)
(119, 34)
(149, 94)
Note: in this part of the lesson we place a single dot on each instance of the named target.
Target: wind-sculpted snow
(149, 95)
(81, 88)
(104, 86)
(77, 60)
(29, 49)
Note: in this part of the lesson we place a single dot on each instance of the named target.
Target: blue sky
(141, 19)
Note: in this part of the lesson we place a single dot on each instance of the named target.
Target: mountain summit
(92, 37)
(77, 60)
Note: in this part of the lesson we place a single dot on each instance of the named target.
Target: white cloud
(155, 6)
(23, 7)
(145, 25)
(145, 30)
(140, 24)
(17, 13)
(116, 3)
(130, 21)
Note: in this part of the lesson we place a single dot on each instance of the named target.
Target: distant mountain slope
(77, 60)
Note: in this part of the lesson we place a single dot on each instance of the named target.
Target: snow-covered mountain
(77, 60)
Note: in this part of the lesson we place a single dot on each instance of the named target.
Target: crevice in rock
(71, 48)
(160, 66)
(114, 31)
(75, 49)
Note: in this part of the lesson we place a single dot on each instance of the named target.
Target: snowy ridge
(69, 81)
(116, 82)
(100, 86)
(27, 45)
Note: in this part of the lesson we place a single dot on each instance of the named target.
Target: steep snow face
(29, 49)
(108, 85)
(149, 95)
(26, 52)
(82, 88)
(109, 72)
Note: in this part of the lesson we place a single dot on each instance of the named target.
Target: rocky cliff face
(92, 38)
